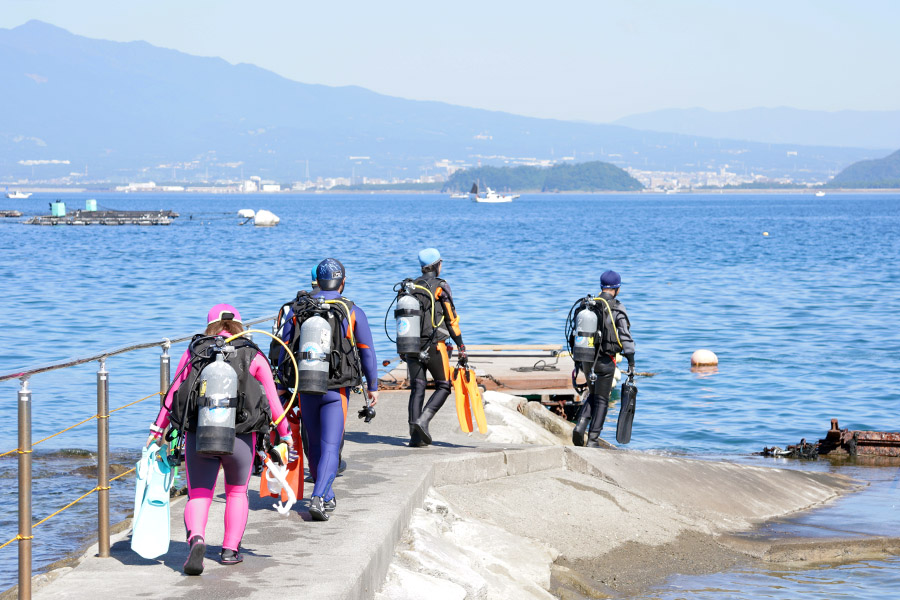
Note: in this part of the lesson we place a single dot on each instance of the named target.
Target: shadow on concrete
(363, 437)
(174, 558)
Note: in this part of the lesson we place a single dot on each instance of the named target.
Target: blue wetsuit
(324, 416)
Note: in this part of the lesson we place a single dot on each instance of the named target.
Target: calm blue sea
(804, 320)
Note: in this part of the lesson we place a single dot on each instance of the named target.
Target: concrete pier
(543, 490)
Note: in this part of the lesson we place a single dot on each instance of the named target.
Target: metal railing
(25, 446)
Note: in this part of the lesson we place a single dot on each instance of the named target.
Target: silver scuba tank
(315, 350)
(409, 325)
(217, 408)
(585, 335)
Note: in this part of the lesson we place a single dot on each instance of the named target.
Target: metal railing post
(103, 460)
(24, 490)
(164, 372)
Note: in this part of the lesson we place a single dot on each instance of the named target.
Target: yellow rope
(15, 539)
(135, 402)
(131, 470)
(92, 417)
(69, 505)
(89, 492)
(49, 437)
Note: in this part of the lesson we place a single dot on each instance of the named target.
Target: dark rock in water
(72, 453)
(91, 470)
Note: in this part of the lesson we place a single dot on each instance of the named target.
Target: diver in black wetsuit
(613, 336)
(435, 357)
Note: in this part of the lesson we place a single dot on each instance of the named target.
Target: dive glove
(292, 454)
(630, 358)
(463, 357)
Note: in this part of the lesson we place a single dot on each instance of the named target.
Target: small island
(593, 176)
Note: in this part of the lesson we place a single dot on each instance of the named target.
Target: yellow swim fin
(463, 412)
(473, 395)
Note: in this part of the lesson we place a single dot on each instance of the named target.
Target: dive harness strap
(207, 402)
(321, 356)
(407, 312)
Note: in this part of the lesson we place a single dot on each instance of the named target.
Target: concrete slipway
(489, 516)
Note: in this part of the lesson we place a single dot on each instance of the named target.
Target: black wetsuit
(438, 363)
(597, 403)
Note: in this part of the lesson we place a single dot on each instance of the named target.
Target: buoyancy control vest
(344, 368)
(593, 328)
(251, 405)
(430, 317)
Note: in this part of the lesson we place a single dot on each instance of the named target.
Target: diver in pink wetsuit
(201, 470)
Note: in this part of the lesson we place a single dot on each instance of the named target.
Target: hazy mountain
(879, 173)
(125, 110)
(849, 128)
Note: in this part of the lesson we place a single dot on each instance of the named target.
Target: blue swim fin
(150, 525)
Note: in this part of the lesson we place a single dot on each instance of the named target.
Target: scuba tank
(586, 326)
(314, 355)
(217, 407)
(409, 323)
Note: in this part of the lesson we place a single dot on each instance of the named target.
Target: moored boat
(489, 196)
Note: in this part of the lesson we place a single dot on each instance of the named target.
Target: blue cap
(610, 279)
(429, 256)
(315, 274)
(330, 274)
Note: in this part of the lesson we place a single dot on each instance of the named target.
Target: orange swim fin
(473, 394)
(463, 412)
(294, 474)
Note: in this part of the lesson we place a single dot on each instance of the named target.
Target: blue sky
(584, 60)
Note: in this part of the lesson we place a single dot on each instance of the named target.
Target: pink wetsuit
(203, 471)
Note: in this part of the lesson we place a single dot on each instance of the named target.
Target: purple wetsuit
(325, 416)
(202, 471)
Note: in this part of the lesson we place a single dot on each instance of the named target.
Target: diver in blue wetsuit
(324, 415)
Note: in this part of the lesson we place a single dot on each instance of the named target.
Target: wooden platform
(540, 372)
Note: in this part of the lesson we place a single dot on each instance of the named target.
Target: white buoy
(704, 358)
(765, 234)
(265, 218)
(246, 213)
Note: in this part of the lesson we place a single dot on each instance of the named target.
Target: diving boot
(594, 440)
(415, 440)
(317, 509)
(231, 557)
(580, 427)
(194, 563)
(421, 426)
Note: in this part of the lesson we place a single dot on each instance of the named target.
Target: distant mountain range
(850, 128)
(879, 173)
(132, 111)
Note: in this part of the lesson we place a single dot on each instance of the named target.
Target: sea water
(804, 319)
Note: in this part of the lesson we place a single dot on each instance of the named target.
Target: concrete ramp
(566, 502)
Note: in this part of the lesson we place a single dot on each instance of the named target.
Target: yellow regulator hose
(293, 360)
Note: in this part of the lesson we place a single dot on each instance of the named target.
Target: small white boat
(489, 196)
(17, 195)
(459, 196)
(820, 193)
